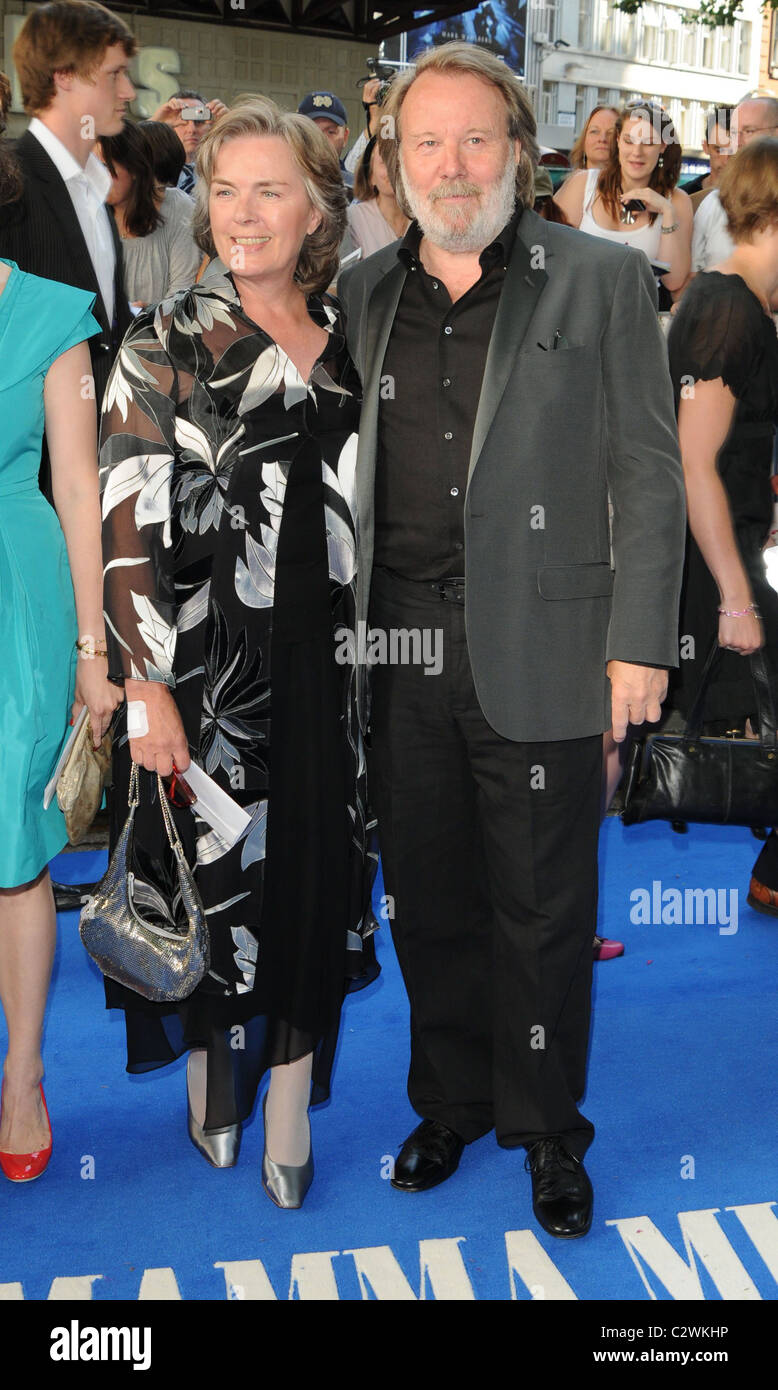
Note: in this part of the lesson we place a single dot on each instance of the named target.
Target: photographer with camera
(190, 116)
(374, 89)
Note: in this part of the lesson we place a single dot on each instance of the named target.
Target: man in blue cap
(329, 113)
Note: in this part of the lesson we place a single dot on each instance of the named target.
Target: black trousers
(489, 852)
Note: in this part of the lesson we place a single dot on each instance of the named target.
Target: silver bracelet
(667, 230)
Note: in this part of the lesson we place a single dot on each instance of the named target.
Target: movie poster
(499, 25)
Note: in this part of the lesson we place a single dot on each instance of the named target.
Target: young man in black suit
(72, 58)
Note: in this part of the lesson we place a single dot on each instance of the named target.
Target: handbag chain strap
(170, 826)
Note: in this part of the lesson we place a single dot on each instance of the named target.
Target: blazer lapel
(523, 286)
(381, 310)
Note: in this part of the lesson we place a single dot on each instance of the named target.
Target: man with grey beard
(479, 332)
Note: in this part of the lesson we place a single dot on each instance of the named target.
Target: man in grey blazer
(514, 376)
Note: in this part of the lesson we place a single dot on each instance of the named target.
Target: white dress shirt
(88, 189)
(711, 241)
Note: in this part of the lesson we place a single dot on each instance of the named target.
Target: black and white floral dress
(229, 544)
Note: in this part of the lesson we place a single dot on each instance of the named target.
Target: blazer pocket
(544, 352)
(575, 581)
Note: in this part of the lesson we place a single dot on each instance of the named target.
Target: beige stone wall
(223, 61)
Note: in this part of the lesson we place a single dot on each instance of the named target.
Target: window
(648, 42)
(670, 37)
(744, 46)
(708, 49)
(690, 44)
(626, 35)
(725, 49)
(547, 19)
(585, 24)
(605, 24)
(548, 103)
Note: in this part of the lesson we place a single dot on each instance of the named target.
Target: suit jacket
(558, 429)
(42, 234)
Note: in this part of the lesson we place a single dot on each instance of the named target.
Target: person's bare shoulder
(570, 197)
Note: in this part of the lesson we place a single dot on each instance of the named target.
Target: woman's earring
(661, 162)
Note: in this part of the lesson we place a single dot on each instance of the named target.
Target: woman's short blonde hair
(321, 173)
(748, 188)
(451, 59)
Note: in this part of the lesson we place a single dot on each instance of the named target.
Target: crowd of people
(173, 279)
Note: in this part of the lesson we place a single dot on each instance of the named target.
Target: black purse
(717, 781)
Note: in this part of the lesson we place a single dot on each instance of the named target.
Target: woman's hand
(100, 696)
(743, 635)
(166, 742)
(654, 201)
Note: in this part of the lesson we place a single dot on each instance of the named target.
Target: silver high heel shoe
(284, 1184)
(219, 1146)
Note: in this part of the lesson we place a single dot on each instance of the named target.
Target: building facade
(583, 53)
(221, 61)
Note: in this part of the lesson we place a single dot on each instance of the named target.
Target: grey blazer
(557, 430)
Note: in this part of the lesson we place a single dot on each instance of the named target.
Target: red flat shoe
(25, 1167)
(606, 949)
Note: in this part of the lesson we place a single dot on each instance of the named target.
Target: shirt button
(447, 381)
(448, 328)
(448, 435)
(458, 545)
(455, 492)
(434, 284)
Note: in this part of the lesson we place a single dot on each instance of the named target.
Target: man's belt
(450, 590)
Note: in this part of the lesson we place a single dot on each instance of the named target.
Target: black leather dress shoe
(429, 1155)
(70, 897)
(562, 1196)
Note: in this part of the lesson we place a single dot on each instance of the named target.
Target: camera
(375, 68)
(195, 113)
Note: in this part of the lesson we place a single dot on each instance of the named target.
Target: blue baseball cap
(324, 104)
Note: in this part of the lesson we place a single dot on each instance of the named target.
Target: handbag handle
(170, 826)
(765, 704)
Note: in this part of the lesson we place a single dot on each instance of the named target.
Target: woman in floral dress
(228, 456)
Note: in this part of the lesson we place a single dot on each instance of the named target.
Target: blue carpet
(682, 1090)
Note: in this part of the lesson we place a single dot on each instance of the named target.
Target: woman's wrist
(90, 646)
(746, 612)
(670, 222)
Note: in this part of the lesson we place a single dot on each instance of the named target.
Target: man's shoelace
(557, 1182)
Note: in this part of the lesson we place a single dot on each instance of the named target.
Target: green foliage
(714, 14)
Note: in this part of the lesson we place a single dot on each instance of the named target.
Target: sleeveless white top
(646, 239)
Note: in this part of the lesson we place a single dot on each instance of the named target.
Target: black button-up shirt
(431, 383)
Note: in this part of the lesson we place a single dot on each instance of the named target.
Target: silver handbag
(163, 963)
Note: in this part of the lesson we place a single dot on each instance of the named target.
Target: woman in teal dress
(44, 379)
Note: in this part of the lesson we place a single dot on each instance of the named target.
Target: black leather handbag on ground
(718, 781)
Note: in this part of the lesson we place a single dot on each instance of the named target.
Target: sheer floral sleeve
(137, 454)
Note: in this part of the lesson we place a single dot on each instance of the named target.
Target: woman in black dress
(228, 457)
(724, 364)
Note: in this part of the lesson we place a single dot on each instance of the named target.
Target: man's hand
(637, 693)
(216, 107)
(170, 111)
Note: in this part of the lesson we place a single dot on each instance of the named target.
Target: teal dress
(39, 320)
